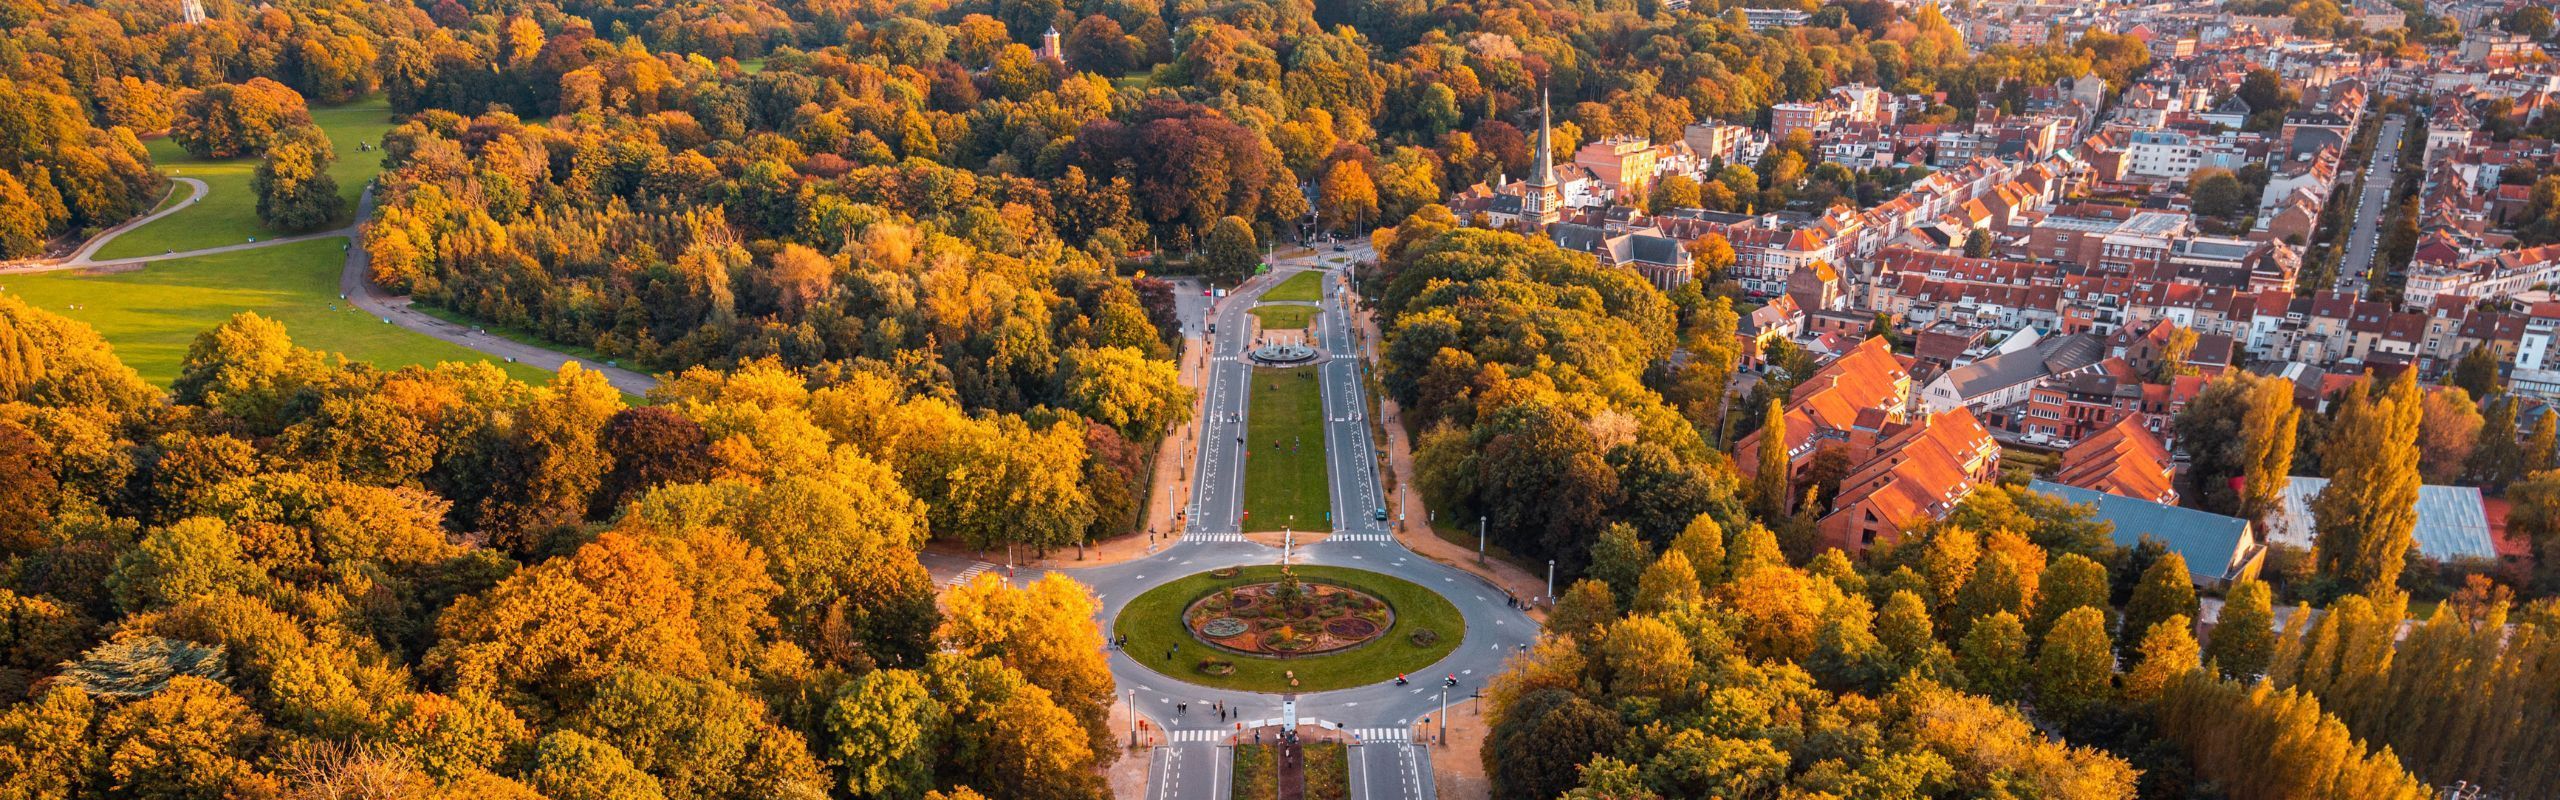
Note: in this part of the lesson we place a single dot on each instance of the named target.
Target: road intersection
(1386, 763)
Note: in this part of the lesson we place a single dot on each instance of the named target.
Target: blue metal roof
(2451, 522)
(2210, 542)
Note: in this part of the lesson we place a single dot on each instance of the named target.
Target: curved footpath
(354, 284)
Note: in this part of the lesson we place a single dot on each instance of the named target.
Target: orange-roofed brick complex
(1914, 476)
(1845, 403)
(2121, 459)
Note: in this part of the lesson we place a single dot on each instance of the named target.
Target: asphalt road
(2371, 204)
(1385, 765)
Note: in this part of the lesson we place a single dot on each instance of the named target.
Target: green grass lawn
(1328, 767)
(1284, 469)
(1257, 771)
(152, 314)
(1153, 623)
(1284, 318)
(228, 214)
(1304, 287)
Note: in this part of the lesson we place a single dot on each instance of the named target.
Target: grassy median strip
(1284, 318)
(1284, 470)
(1157, 638)
(1328, 767)
(1257, 772)
(1305, 287)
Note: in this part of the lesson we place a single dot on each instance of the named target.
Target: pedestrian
(1180, 709)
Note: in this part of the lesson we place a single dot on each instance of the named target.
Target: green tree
(2215, 192)
(190, 559)
(2244, 636)
(1536, 743)
(2075, 667)
(1229, 255)
(2166, 591)
(294, 189)
(2367, 515)
(1996, 586)
(1993, 657)
(1909, 639)
(1770, 489)
(568, 765)
(2476, 372)
(2240, 432)
(2499, 458)
(1618, 558)
(886, 725)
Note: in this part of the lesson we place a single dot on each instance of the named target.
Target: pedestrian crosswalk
(971, 573)
(1213, 537)
(1200, 735)
(1382, 734)
(1372, 538)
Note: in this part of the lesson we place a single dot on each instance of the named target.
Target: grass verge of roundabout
(1153, 623)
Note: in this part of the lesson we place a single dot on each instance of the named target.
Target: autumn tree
(230, 120)
(295, 192)
(2075, 666)
(2165, 590)
(1347, 197)
(1046, 631)
(2244, 634)
(2367, 514)
(2240, 432)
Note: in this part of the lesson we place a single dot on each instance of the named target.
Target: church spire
(1546, 172)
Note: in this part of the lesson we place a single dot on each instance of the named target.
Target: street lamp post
(1133, 718)
(1480, 541)
(1551, 583)
(1444, 715)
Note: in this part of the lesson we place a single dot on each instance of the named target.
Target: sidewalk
(1457, 767)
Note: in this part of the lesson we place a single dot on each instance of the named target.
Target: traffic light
(1449, 681)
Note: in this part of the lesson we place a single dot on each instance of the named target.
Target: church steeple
(1543, 202)
(1546, 172)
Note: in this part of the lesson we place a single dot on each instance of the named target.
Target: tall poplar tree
(2367, 516)
(2244, 636)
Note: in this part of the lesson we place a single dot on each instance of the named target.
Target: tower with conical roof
(1543, 201)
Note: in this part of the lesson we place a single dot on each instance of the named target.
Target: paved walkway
(81, 257)
(355, 284)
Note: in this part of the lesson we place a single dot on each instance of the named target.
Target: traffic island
(1247, 629)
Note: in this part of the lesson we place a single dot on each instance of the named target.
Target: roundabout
(1314, 629)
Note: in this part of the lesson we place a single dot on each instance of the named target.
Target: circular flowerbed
(1288, 617)
(1181, 629)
